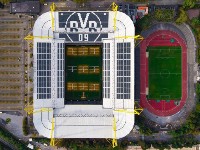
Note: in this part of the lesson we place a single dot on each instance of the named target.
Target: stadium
(83, 74)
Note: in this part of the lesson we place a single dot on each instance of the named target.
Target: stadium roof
(84, 121)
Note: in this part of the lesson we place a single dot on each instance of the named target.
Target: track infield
(164, 73)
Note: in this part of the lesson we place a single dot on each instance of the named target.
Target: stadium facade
(84, 120)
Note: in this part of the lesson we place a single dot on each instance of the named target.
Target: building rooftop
(83, 120)
(31, 7)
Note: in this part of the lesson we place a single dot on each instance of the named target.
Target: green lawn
(164, 73)
(86, 78)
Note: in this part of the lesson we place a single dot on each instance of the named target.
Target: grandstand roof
(84, 121)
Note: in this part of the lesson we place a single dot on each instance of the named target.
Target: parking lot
(12, 32)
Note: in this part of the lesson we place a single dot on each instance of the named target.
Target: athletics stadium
(83, 74)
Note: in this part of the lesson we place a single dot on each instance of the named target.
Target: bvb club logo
(83, 25)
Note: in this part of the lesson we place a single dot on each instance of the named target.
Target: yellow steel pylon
(137, 37)
(137, 110)
(114, 140)
(52, 9)
(30, 37)
(114, 8)
(52, 142)
(30, 110)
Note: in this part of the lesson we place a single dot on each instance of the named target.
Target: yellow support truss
(137, 37)
(114, 141)
(52, 9)
(30, 110)
(114, 7)
(137, 110)
(52, 142)
(30, 37)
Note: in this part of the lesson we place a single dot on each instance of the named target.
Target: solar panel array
(106, 70)
(123, 70)
(43, 70)
(60, 67)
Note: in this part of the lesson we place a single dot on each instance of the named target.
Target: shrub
(143, 23)
(182, 17)
(195, 21)
(164, 15)
(187, 4)
(8, 120)
(25, 127)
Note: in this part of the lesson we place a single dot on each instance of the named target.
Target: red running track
(166, 109)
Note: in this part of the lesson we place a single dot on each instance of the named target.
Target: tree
(187, 4)
(161, 145)
(144, 145)
(8, 120)
(144, 129)
(143, 23)
(182, 17)
(165, 15)
(195, 21)
(5, 1)
(80, 1)
(25, 127)
(183, 141)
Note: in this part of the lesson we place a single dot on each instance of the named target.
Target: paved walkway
(15, 126)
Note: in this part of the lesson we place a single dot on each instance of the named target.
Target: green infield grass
(164, 73)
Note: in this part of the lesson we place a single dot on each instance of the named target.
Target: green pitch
(164, 73)
(83, 69)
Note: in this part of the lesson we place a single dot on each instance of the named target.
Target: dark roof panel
(32, 7)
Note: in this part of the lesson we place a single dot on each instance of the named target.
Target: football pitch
(83, 74)
(164, 73)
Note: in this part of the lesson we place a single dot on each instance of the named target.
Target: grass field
(164, 73)
(83, 76)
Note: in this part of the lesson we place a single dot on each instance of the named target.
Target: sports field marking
(83, 51)
(72, 86)
(82, 86)
(83, 96)
(165, 73)
(165, 57)
(94, 87)
(72, 51)
(147, 54)
(83, 69)
(164, 97)
(161, 73)
(94, 51)
(72, 68)
(94, 69)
